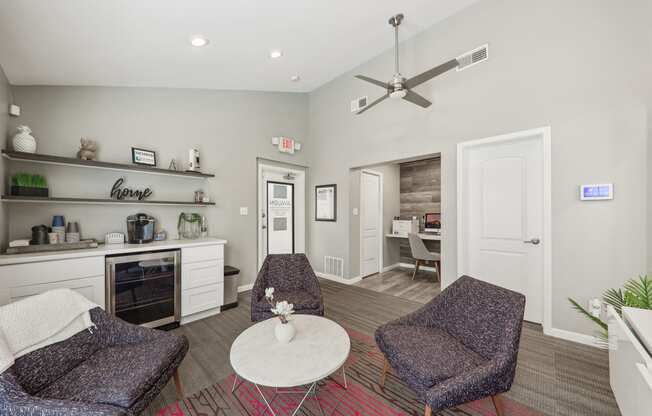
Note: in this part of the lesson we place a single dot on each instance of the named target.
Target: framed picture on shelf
(143, 157)
(326, 203)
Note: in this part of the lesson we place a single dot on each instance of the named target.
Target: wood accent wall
(420, 193)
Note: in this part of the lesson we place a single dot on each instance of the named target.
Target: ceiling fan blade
(415, 98)
(430, 74)
(372, 104)
(373, 81)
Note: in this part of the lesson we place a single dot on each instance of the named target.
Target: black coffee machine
(140, 228)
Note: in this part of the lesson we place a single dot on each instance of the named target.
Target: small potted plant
(26, 184)
(284, 330)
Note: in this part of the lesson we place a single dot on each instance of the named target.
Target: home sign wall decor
(120, 193)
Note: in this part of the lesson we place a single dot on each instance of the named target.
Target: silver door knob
(534, 241)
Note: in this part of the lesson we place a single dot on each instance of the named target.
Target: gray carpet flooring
(555, 377)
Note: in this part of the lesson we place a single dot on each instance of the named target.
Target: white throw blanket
(38, 321)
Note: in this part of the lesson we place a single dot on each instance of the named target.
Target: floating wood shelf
(91, 201)
(71, 161)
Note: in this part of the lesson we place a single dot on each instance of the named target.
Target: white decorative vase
(23, 141)
(284, 332)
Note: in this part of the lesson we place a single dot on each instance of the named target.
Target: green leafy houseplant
(636, 293)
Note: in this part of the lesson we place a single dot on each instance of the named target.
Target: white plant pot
(284, 332)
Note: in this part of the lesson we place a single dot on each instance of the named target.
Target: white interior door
(370, 223)
(280, 217)
(281, 211)
(502, 205)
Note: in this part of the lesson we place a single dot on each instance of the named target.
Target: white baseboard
(338, 279)
(391, 267)
(411, 266)
(244, 288)
(584, 339)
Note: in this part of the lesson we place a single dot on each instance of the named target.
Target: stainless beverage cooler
(231, 278)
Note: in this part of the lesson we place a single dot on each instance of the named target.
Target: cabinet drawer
(205, 253)
(201, 299)
(201, 274)
(91, 287)
(51, 271)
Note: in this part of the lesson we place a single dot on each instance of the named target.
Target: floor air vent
(473, 57)
(334, 266)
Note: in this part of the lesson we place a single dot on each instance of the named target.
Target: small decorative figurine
(23, 141)
(87, 149)
(173, 165)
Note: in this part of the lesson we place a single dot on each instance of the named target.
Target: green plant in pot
(27, 184)
(636, 293)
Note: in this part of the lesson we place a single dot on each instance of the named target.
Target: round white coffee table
(319, 349)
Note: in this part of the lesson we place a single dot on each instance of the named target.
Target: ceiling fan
(399, 86)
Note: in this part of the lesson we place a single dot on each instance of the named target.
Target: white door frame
(543, 133)
(300, 224)
(381, 231)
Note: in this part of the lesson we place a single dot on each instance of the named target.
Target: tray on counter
(40, 248)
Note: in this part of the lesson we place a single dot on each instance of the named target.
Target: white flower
(283, 309)
(269, 293)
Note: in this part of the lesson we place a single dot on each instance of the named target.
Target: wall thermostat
(597, 192)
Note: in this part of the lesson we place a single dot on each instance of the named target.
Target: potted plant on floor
(636, 293)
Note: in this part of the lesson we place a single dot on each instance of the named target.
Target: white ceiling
(145, 42)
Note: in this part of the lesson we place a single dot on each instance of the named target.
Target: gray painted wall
(576, 66)
(230, 128)
(5, 100)
(391, 208)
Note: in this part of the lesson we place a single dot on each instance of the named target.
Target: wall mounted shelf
(95, 201)
(71, 161)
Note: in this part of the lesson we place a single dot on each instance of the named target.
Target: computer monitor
(432, 222)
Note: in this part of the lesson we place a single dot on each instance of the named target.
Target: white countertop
(104, 250)
(423, 236)
(640, 320)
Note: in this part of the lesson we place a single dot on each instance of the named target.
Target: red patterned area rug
(363, 396)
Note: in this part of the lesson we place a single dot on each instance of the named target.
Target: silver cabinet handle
(534, 241)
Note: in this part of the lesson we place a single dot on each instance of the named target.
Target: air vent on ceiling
(473, 57)
(358, 104)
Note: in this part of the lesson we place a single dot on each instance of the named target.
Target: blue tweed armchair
(461, 346)
(293, 280)
(117, 370)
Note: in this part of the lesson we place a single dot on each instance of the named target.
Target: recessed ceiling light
(295, 78)
(275, 54)
(198, 41)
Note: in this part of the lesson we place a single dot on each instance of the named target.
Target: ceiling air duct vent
(473, 57)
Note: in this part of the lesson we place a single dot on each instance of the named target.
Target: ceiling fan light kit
(399, 87)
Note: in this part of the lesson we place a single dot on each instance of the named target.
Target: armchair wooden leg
(428, 411)
(498, 404)
(177, 385)
(383, 375)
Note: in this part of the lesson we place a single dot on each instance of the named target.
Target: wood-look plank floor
(398, 282)
(555, 377)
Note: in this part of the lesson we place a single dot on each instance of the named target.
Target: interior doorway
(371, 222)
(504, 215)
(281, 210)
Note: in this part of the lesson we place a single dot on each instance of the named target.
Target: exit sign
(286, 144)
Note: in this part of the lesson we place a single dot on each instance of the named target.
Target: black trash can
(231, 277)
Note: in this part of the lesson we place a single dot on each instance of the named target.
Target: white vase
(23, 141)
(284, 332)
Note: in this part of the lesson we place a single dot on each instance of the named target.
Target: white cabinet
(630, 368)
(85, 275)
(202, 281)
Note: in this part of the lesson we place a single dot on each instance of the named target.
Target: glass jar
(189, 225)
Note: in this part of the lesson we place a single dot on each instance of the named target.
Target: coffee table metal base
(310, 389)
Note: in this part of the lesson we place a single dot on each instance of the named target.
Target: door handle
(264, 227)
(534, 241)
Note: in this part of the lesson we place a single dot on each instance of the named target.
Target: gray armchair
(117, 370)
(420, 254)
(461, 346)
(293, 280)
